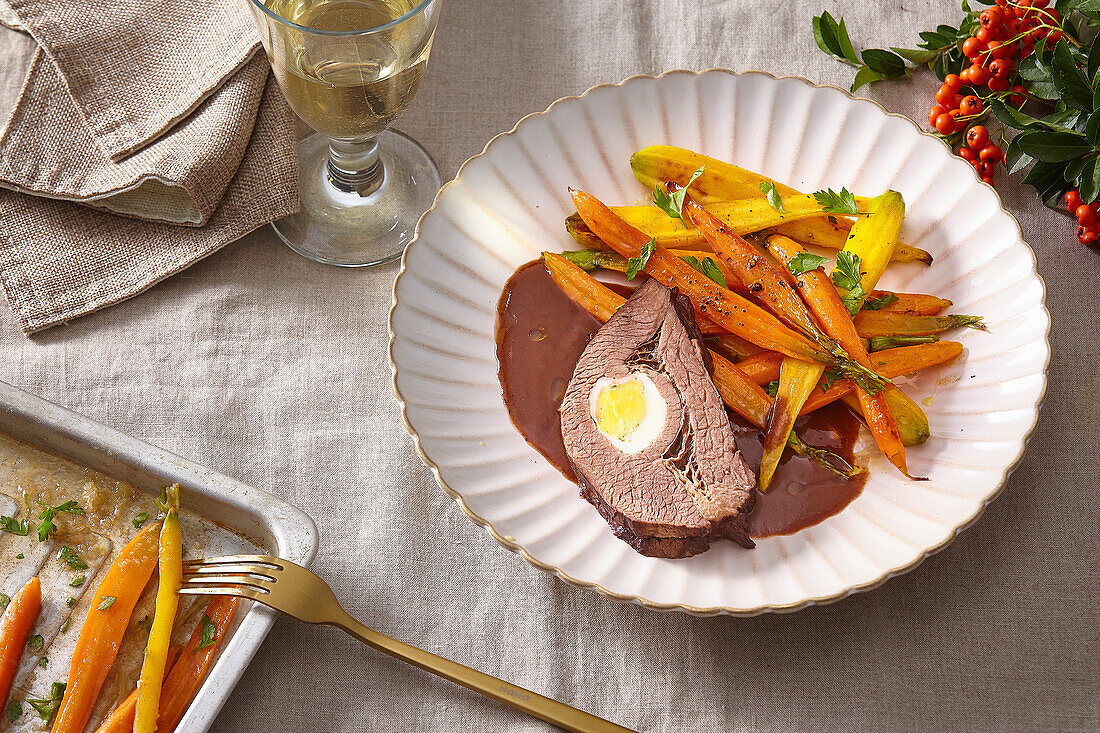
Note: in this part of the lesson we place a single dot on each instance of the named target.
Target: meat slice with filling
(648, 434)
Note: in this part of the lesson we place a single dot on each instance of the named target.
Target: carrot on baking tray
(16, 624)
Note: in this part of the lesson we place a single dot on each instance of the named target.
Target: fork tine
(213, 590)
(262, 571)
(244, 581)
(273, 562)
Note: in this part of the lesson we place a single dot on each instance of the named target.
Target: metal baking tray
(259, 518)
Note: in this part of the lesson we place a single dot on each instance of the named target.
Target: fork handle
(543, 708)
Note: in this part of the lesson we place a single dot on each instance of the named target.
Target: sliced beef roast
(674, 488)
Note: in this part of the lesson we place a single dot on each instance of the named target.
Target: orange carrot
(821, 295)
(97, 646)
(121, 719)
(914, 304)
(187, 674)
(729, 310)
(14, 627)
(884, 323)
(762, 368)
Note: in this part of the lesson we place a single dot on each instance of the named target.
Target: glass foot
(349, 230)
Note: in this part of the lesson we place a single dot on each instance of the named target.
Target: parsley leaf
(636, 264)
(77, 581)
(13, 710)
(846, 278)
(832, 202)
(805, 262)
(44, 662)
(772, 388)
(46, 707)
(35, 643)
(141, 519)
(70, 601)
(209, 633)
(70, 558)
(707, 267)
(673, 203)
(5, 599)
(146, 623)
(14, 526)
(772, 194)
(880, 302)
(107, 602)
(831, 375)
(47, 527)
(65, 624)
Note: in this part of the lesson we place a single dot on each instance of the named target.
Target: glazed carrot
(761, 368)
(822, 297)
(914, 304)
(832, 233)
(121, 719)
(97, 646)
(187, 674)
(726, 308)
(741, 394)
(170, 566)
(880, 323)
(890, 363)
(911, 420)
(15, 625)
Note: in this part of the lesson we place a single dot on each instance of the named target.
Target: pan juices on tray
(722, 398)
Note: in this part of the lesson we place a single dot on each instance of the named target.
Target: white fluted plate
(508, 204)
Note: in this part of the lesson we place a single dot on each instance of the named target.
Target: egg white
(653, 422)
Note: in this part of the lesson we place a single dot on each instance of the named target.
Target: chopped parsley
(70, 602)
(805, 262)
(145, 623)
(8, 524)
(209, 633)
(673, 203)
(141, 519)
(772, 194)
(13, 710)
(20, 556)
(43, 662)
(65, 624)
(46, 707)
(636, 264)
(831, 375)
(46, 526)
(107, 602)
(706, 266)
(77, 581)
(4, 600)
(70, 558)
(880, 302)
(35, 643)
(772, 388)
(832, 202)
(846, 278)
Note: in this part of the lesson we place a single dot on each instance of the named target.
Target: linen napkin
(120, 175)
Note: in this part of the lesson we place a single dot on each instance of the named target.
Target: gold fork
(299, 593)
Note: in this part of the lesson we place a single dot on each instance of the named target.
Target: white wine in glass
(348, 68)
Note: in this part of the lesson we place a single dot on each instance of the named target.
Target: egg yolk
(620, 408)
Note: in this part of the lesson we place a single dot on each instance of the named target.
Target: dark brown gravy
(540, 336)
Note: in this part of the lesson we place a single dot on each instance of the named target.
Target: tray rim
(294, 532)
(515, 547)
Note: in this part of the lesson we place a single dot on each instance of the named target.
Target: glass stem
(355, 167)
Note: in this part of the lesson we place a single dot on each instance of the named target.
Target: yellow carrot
(164, 615)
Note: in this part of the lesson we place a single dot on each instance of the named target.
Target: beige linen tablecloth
(267, 367)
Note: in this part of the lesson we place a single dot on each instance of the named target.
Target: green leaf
(865, 76)
(1033, 69)
(916, 55)
(1073, 169)
(1054, 147)
(846, 276)
(1069, 79)
(69, 556)
(880, 302)
(47, 706)
(1015, 158)
(825, 33)
(1062, 121)
(208, 634)
(845, 43)
(1090, 181)
(1008, 116)
(1092, 129)
(805, 262)
(77, 581)
(772, 195)
(143, 517)
(1094, 58)
(636, 264)
(673, 203)
(46, 527)
(36, 642)
(13, 710)
(832, 202)
(886, 63)
(935, 40)
(708, 268)
(7, 524)
(5, 599)
(107, 602)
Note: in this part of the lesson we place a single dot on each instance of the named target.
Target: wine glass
(348, 68)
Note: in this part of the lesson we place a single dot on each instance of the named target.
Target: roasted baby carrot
(832, 233)
(724, 307)
(870, 324)
(821, 295)
(914, 304)
(187, 674)
(170, 566)
(121, 719)
(97, 646)
(15, 625)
